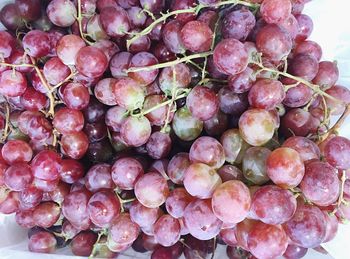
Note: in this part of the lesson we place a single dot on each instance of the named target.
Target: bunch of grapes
(170, 126)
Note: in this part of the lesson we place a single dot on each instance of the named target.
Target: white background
(332, 32)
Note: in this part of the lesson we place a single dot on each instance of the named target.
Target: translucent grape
(254, 165)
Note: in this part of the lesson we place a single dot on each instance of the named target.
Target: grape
(234, 146)
(30, 197)
(254, 165)
(75, 144)
(273, 205)
(36, 43)
(94, 28)
(18, 176)
(109, 48)
(171, 35)
(238, 24)
(342, 94)
(24, 218)
(327, 74)
(46, 214)
(320, 184)
(9, 202)
(68, 230)
(297, 122)
(336, 152)
(125, 172)
(15, 151)
(230, 172)
(304, 66)
(177, 167)
(228, 236)
(267, 241)
(158, 145)
(75, 209)
(177, 76)
(99, 178)
(141, 44)
(119, 63)
(273, 42)
(181, 5)
(241, 82)
(311, 48)
(123, 231)
(266, 94)
(104, 91)
(167, 230)
(127, 93)
(159, 115)
(331, 227)
(33, 100)
(231, 201)
(103, 207)
(306, 148)
(305, 27)
(143, 216)
(151, 190)
(256, 126)
(201, 221)
(202, 103)
(186, 126)
(290, 25)
(230, 57)
(294, 252)
(100, 152)
(55, 71)
(71, 171)
(91, 62)
(285, 167)
(136, 131)
(298, 96)
(217, 124)
(201, 180)
(95, 131)
(46, 165)
(68, 47)
(115, 247)
(231, 103)
(42, 242)
(177, 202)
(95, 111)
(61, 13)
(68, 121)
(275, 11)
(196, 36)
(60, 192)
(83, 243)
(143, 59)
(307, 228)
(343, 213)
(7, 44)
(242, 231)
(154, 6)
(137, 17)
(207, 150)
(12, 83)
(10, 17)
(45, 185)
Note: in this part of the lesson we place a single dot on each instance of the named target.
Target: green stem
(6, 131)
(80, 19)
(93, 252)
(341, 195)
(194, 10)
(170, 63)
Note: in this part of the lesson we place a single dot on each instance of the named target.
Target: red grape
(285, 167)
(230, 57)
(33, 100)
(123, 231)
(186, 126)
(201, 180)
(143, 216)
(30, 197)
(177, 202)
(202, 103)
(275, 11)
(83, 243)
(91, 62)
(68, 47)
(171, 35)
(167, 230)
(178, 76)
(306, 148)
(337, 151)
(61, 13)
(75, 144)
(295, 252)
(158, 145)
(55, 71)
(115, 21)
(24, 218)
(37, 43)
(143, 59)
(18, 176)
(151, 190)
(99, 178)
(341, 93)
(42, 242)
(311, 48)
(16, 151)
(231, 201)
(267, 241)
(68, 121)
(196, 36)
(327, 74)
(125, 172)
(331, 227)
(201, 221)
(305, 26)
(307, 228)
(12, 83)
(10, 17)
(127, 93)
(46, 165)
(136, 131)
(46, 214)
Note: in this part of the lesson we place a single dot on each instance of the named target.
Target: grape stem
(170, 63)
(6, 131)
(93, 252)
(341, 195)
(165, 103)
(70, 76)
(80, 24)
(314, 87)
(337, 125)
(194, 10)
(49, 94)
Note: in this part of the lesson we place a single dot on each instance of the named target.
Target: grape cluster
(170, 126)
